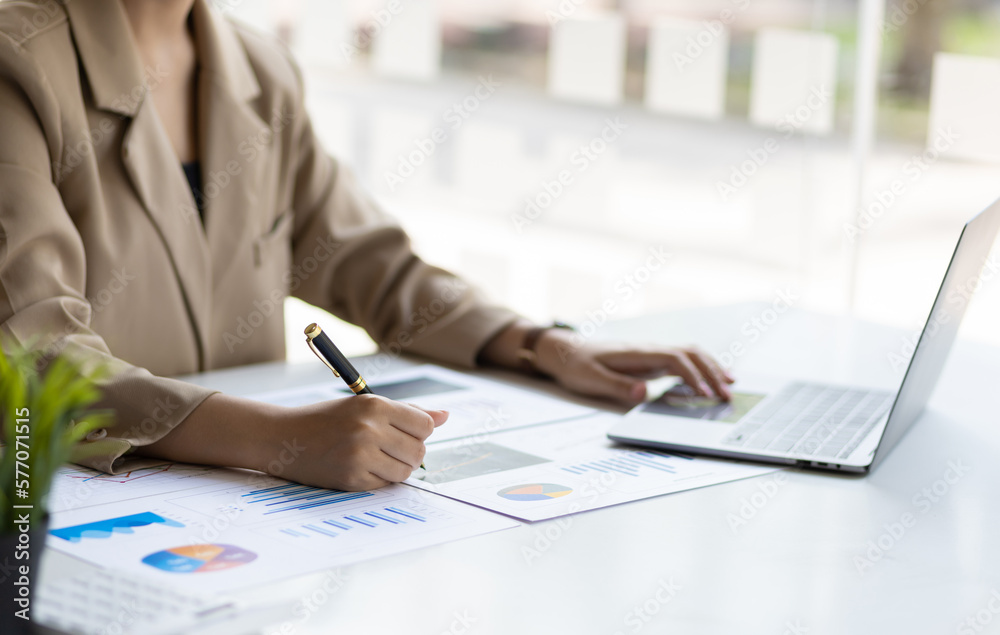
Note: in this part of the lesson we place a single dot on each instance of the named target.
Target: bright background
(899, 72)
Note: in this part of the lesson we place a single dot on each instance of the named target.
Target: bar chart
(372, 519)
(235, 528)
(295, 497)
(635, 463)
(361, 524)
(273, 500)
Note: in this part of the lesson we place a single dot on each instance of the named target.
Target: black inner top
(192, 170)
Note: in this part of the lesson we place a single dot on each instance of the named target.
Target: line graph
(85, 474)
(75, 487)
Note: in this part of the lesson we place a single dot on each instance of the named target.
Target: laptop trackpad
(692, 418)
(681, 401)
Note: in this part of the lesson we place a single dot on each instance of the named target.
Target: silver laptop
(816, 425)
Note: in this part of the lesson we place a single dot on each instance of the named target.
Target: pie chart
(199, 558)
(534, 492)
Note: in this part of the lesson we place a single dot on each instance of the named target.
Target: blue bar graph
(295, 497)
(370, 519)
(361, 521)
(381, 517)
(406, 514)
(320, 530)
(337, 525)
(628, 463)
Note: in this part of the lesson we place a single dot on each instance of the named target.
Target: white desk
(790, 569)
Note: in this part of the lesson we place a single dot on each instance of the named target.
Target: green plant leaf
(59, 400)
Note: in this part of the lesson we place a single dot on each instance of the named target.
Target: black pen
(329, 354)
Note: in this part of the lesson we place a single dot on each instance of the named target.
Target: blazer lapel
(153, 167)
(235, 144)
(120, 85)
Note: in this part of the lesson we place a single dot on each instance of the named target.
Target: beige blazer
(103, 256)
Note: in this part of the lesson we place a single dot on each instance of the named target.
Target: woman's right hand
(354, 443)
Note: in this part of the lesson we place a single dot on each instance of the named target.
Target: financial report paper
(219, 530)
(476, 405)
(563, 468)
(514, 451)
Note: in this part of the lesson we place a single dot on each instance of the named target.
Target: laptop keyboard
(811, 420)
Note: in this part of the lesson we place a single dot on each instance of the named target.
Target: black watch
(527, 353)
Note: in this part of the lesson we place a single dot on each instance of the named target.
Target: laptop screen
(971, 266)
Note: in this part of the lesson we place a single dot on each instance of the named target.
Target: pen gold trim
(359, 385)
(321, 358)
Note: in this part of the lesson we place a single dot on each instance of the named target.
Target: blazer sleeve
(43, 274)
(371, 276)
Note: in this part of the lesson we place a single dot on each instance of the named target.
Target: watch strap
(528, 354)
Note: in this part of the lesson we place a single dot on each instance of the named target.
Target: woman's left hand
(615, 371)
(619, 371)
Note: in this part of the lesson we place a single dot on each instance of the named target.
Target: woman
(111, 256)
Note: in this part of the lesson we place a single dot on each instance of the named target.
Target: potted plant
(45, 411)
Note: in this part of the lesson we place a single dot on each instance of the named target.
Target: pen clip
(321, 358)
